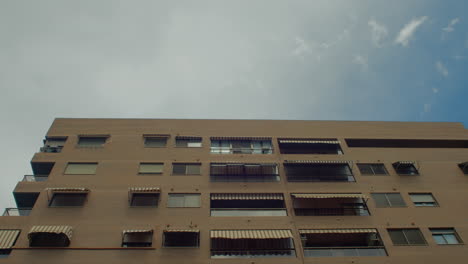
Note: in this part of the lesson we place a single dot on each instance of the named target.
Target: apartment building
(242, 191)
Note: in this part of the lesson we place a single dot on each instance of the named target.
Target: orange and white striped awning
(338, 231)
(247, 196)
(251, 234)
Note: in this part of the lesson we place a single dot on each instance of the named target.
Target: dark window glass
(372, 169)
(181, 239)
(406, 169)
(91, 141)
(411, 236)
(68, 199)
(145, 199)
(388, 200)
(155, 142)
(137, 239)
(445, 236)
(189, 143)
(186, 169)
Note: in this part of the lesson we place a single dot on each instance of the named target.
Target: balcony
(240, 172)
(248, 212)
(344, 251)
(17, 211)
(53, 144)
(247, 253)
(330, 204)
(318, 171)
(247, 204)
(241, 146)
(354, 242)
(35, 178)
(310, 146)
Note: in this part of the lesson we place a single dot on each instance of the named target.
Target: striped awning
(404, 162)
(137, 231)
(8, 238)
(338, 231)
(247, 196)
(328, 195)
(308, 141)
(68, 189)
(65, 230)
(317, 162)
(157, 135)
(240, 138)
(251, 234)
(182, 231)
(239, 163)
(144, 189)
(188, 137)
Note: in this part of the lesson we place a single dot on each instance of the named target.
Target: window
(320, 204)
(445, 236)
(423, 199)
(405, 168)
(155, 141)
(188, 142)
(309, 146)
(67, 199)
(144, 199)
(181, 238)
(137, 238)
(388, 200)
(318, 171)
(237, 146)
(50, 236)
(410, 236)
(186, 168)
(85, 141)
(151, 168)
(372, 169)
(81, 168)
(183, 200)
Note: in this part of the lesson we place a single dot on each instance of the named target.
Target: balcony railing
(244, 178)
(360, 211)
(17, 211)
(257, 253)
(50, 149)
(344, 251)
(228, 150)
(321, 178)
(248, 212)
(35, 178)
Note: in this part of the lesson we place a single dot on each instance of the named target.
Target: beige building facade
(242, 191)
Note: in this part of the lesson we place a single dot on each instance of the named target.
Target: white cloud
(379, 32)
(302, 48)
(407, 32)
(441, 68)
(362, 61)
(451, 25)
(435, 90)
(427, 108)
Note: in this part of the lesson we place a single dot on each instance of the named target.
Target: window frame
(85, 199)
(150, 173)
(416, 170)
(145, 137)
(184, 202)
(157, 196)
(126, 244)
(371, 166)
(402, 230)
(84, 163)
(435, 203)
(187, 164)
(164, 240)
(388, 200)
(453, 233)
(80, 137)
(188, 139)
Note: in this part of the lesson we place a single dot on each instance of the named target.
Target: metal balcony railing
(50, 149)
(229, 150)
(321, 178)
(253, 253)
(344, 251)
(35, 178)
(244, 178)
(248, 212)
(359, 211)
(17, 211)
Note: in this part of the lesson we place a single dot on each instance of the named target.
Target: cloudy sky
(318, 60)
